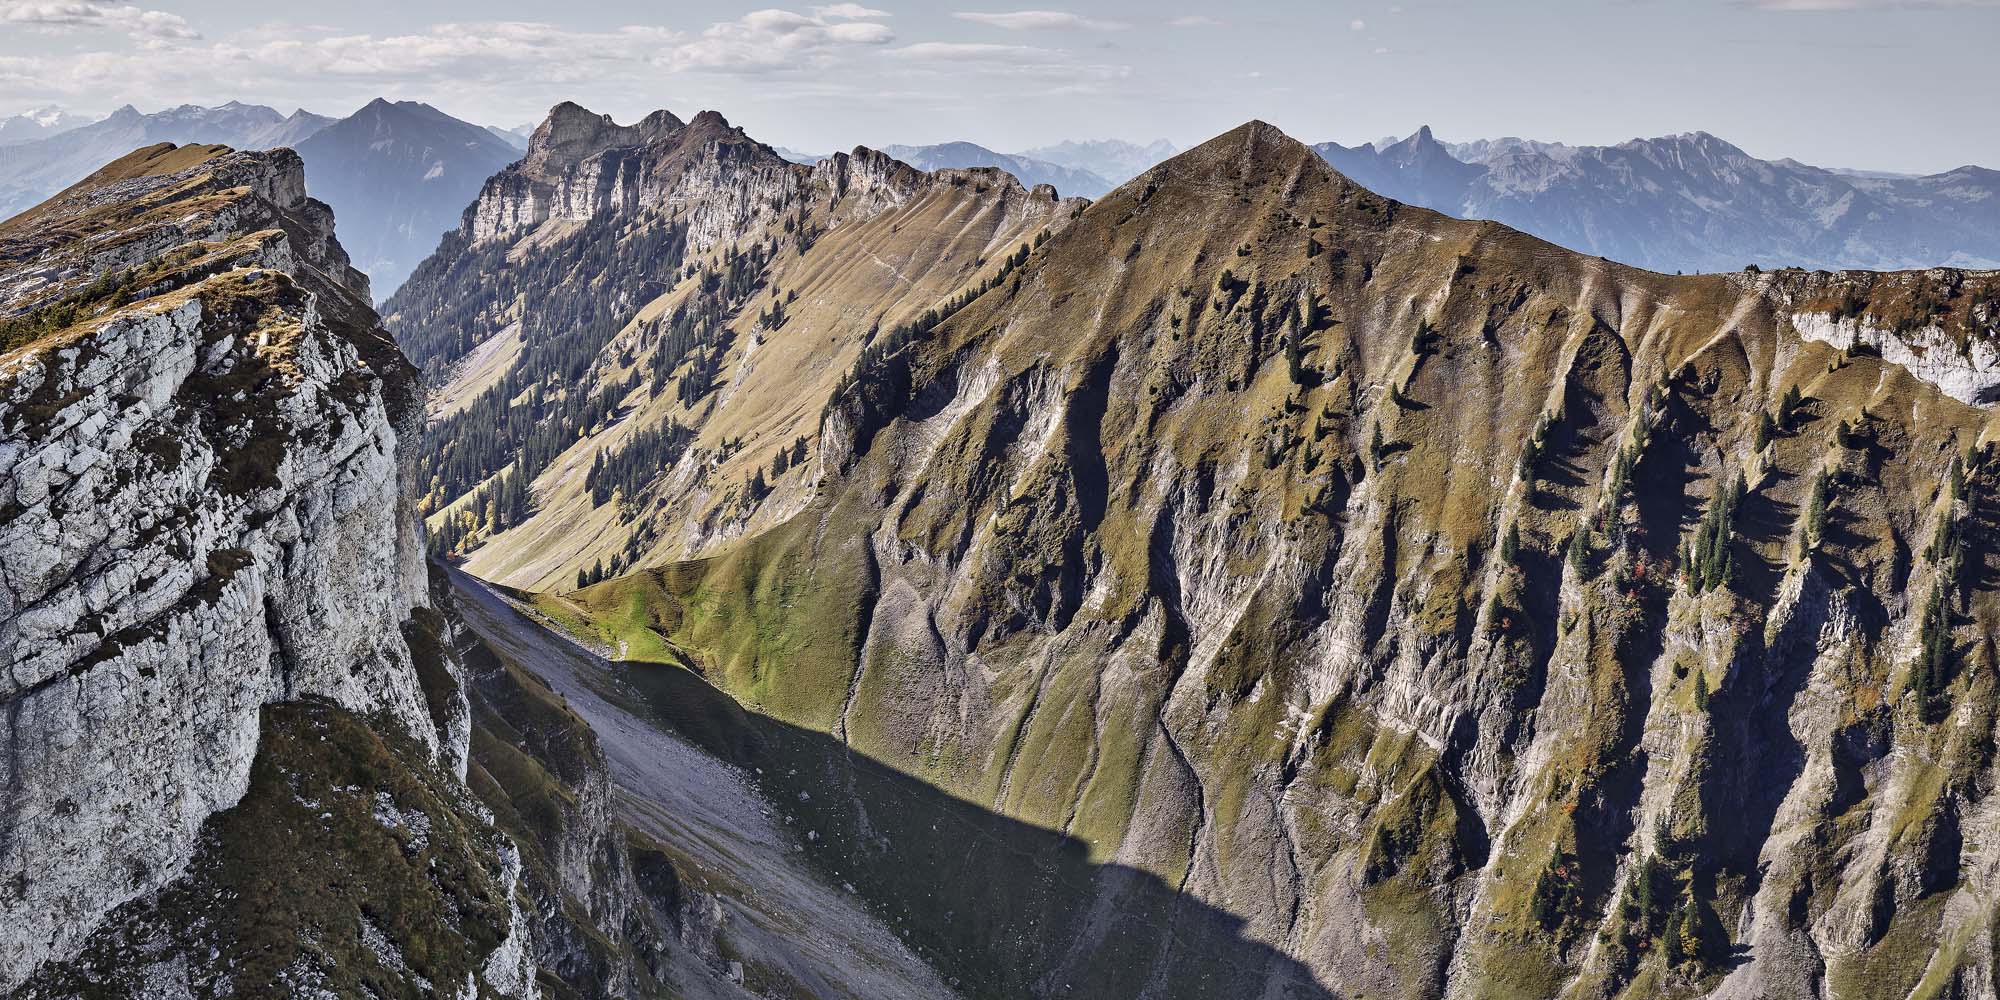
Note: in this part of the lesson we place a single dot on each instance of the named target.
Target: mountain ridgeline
(1247, 584)
(1691, 202)
(397, 173)
(618, 300)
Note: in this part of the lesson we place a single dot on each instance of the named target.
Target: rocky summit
(847, 580)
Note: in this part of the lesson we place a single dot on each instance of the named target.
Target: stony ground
(779, 911)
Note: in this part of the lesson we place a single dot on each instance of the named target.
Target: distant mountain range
(32, 171)
(398, 175)
(1088, 169)
(1691, 202)
(1113, 159)
(37, 123)
(512, 136)
(1028, 170)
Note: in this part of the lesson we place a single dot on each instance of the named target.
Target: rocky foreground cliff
(204, 516)
(250, 751)
(1257, 587)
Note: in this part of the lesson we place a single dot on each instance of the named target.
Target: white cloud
(849, 12)
(80, 14)
(772, 40)
(470, 51)
(1195, 21)
(1357, 25)
(970, 50)
(1040, 20)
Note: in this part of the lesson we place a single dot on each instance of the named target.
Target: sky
(1902, 85)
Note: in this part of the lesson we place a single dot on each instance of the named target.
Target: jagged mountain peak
(1255, 138)
(1253, 151)
(571, 132)
(1692, 201)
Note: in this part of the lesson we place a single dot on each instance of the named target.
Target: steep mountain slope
(1369, 603)
(1113, 159)
(398, 175)
(670, 296)
(253, 749)
(1692, 202)
(32, 171)
(211, 570)
(1027, 169)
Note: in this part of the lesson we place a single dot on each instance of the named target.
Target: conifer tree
(1931, 671)
(1711, 558)
(1816, 509)
(1579, 550)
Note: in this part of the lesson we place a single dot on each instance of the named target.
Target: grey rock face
(204, 512)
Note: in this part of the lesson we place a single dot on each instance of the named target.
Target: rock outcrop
(205, 517)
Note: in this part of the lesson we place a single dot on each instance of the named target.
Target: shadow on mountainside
(1004, 908)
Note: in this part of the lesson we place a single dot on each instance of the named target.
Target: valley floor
(737, 840)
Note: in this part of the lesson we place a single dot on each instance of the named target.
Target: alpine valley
(712, 575)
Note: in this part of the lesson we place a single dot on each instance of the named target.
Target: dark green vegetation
(542, 404)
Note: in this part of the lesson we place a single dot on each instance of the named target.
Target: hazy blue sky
(1880, 84)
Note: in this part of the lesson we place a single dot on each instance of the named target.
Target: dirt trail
(778, 912)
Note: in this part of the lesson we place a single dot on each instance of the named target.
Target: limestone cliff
(670, 295)
(205, 522)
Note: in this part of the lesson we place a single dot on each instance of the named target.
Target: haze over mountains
(34, 170)
(37, 123)
(1692, 202)
(1084, 168)
(399, 175)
